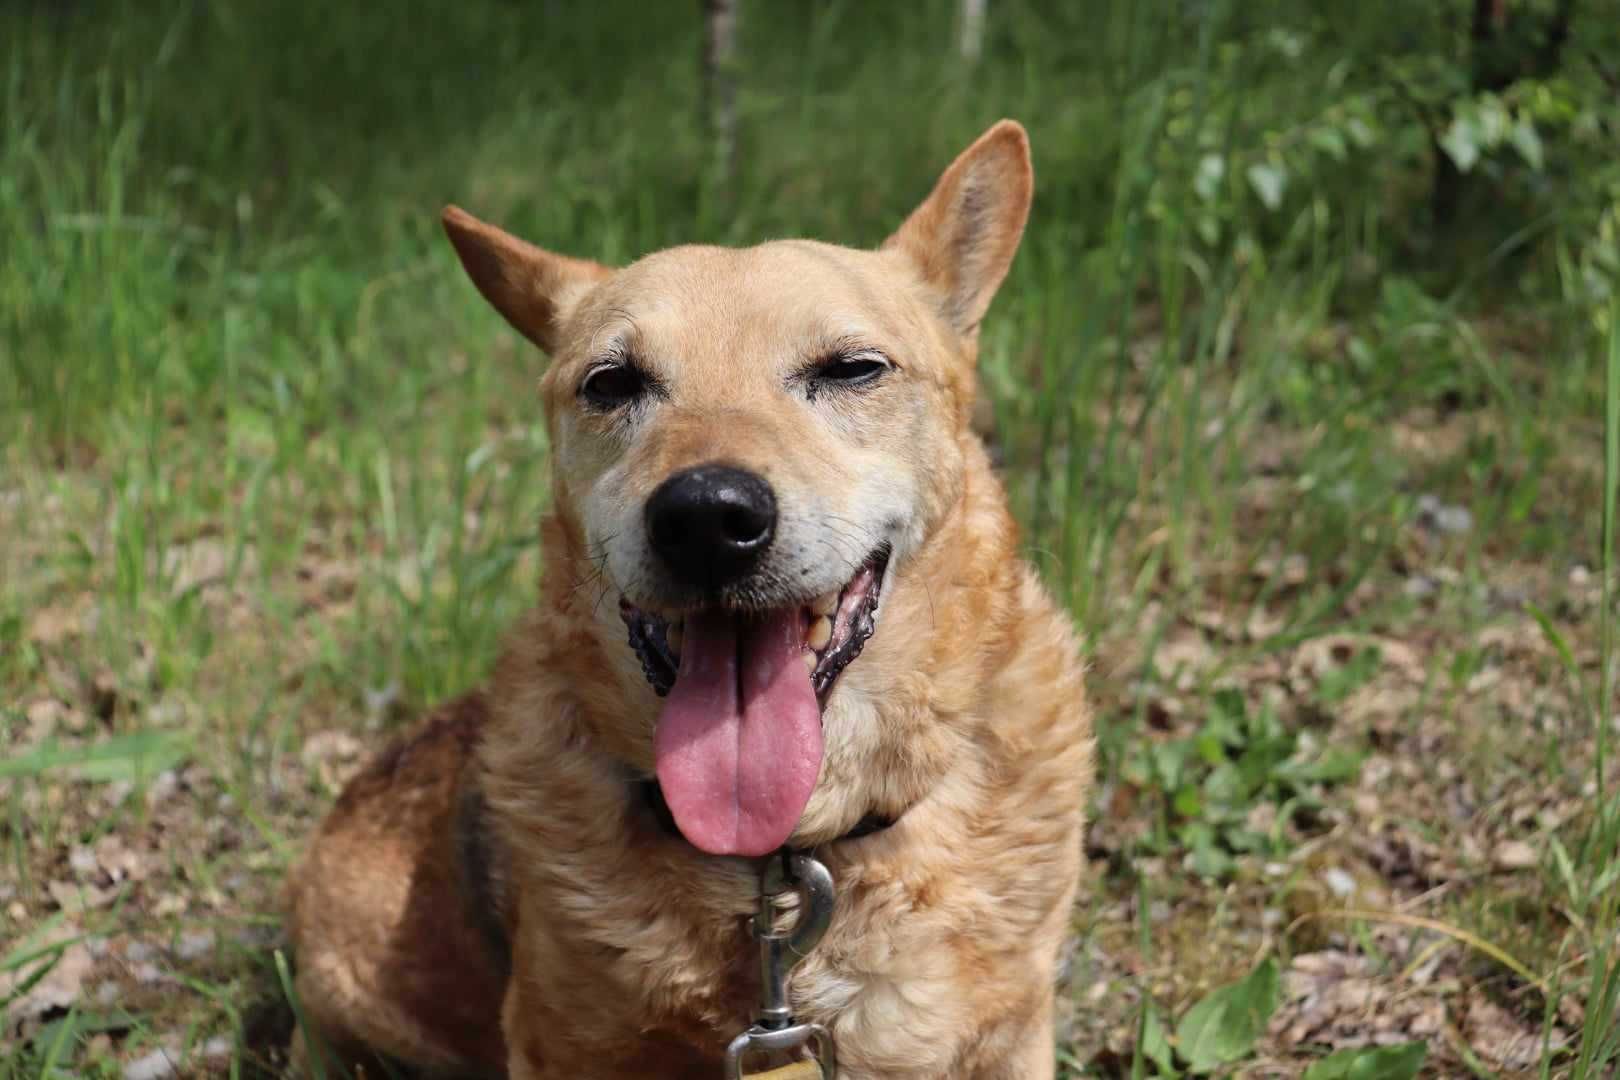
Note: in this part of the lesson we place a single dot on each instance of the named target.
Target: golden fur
(964, 718)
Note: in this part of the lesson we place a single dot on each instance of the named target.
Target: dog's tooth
(820, 633)
(825, 604)
(674, 636)
(810, 662)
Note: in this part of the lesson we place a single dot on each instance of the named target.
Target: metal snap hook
(780, 951)
(754, 1040)
(797, 872)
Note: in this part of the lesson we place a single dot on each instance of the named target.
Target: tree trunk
(720, 87)
(972, 29)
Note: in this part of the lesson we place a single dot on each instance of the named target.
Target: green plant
(1222, 1028)
(1400, 1062)
(1238, 784)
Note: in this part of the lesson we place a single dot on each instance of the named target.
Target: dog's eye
(612, 385)
(855, 369)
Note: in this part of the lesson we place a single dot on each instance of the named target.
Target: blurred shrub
(1448, 138)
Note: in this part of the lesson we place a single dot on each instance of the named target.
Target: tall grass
(1599, 1048)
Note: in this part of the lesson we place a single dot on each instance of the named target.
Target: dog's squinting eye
(612, 385)
(849, 371)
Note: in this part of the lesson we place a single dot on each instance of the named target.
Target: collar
(652, 793)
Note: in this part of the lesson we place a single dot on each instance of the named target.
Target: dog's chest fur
(632, 954)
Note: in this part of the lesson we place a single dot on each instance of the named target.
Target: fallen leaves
(1337, 998)
(335, 756)
(78, 898)
(204, 563)
(1514, 855)
(62, 620)
(63, 952)
(1501, 1038)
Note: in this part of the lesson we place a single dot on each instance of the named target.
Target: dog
(782, 610)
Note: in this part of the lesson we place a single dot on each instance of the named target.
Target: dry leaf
(1500, 1037)
(77, 898)
(55, 623)
(334, 755)
(1514, 855)
(60, 987)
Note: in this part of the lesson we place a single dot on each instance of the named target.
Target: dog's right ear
(963, 237)
(534, 289)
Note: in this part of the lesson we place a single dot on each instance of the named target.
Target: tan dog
(782, 580)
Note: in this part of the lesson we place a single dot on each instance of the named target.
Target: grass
(1320, 482)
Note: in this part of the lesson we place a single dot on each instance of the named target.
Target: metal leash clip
(774, 1029)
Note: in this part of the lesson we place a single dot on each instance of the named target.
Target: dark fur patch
(480, 873)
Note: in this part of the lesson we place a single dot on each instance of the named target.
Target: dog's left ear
(963, 237)
(533, 288)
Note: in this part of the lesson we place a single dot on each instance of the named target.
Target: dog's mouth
(739, 742)
(835, 628)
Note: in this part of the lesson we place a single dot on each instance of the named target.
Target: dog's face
(748, 444)
(739, 428)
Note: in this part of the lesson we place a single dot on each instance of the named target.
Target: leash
(775, 1030)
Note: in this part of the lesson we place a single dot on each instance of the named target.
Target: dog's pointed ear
(963, 237)
(534, 289)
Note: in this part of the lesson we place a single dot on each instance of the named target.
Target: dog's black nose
(711, 524)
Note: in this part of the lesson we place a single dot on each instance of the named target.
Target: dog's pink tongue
(739, 741)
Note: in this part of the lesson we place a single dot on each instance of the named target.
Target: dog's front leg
(585, 1041)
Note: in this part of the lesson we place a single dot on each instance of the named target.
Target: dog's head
(748, 443)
